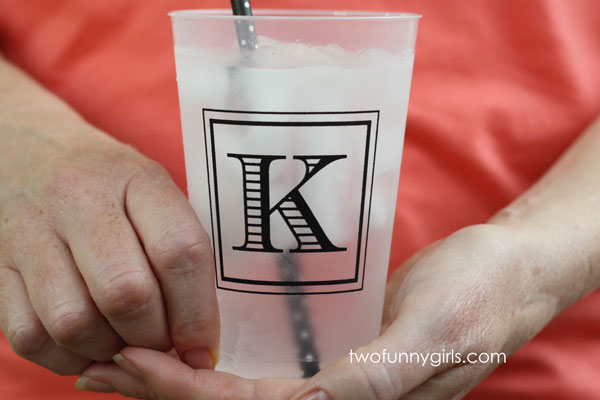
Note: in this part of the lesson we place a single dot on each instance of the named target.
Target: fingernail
(215, 355)
(199, 359)
(127, 365)
(318, 395)
(90, 385)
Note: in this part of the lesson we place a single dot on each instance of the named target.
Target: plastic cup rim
(294, 15)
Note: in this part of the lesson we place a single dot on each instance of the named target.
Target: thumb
(161, 374)
(373, 371)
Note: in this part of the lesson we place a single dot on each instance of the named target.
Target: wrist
(517, 274)
(556, 256)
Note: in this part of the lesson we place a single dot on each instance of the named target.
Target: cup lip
(293, 15)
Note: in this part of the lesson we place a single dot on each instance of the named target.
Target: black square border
(367, 123)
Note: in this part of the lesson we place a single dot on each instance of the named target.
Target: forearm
(561, 213)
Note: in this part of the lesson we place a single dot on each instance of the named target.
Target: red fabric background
(500, 89)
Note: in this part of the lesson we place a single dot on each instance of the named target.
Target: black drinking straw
(245, 31)
(288, 269)
(307, 351)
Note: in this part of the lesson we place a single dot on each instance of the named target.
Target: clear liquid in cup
(324, 84)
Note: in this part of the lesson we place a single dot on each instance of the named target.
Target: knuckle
(182, 249)
(127, 295)
(71, 327)
(154, 168)
(148, 170)
(85, 178)
(27, 338)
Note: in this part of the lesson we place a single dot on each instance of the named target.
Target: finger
(180, 253)
(108, 377)
(449, 385)
(170, 379)
(104, 377)
(25, 332)
(371, 374)
(61, 299)
(118, 276)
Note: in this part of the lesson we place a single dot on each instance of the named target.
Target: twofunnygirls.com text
(435, 359)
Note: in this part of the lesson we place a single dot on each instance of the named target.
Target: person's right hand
(99, 249)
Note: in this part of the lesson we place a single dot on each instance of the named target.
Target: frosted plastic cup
(292, 147)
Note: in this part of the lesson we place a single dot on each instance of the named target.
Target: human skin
(486, 288)
(98, 246)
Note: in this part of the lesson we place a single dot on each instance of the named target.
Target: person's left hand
(484, 289)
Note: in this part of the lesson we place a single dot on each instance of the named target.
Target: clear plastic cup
(292, 146)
